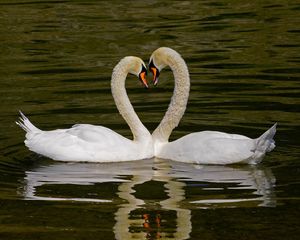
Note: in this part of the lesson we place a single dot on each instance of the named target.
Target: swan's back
(83, 142)
(211, 147)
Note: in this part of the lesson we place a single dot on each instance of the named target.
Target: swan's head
(159, 59)
(137, 67)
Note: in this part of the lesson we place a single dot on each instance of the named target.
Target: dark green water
(55, 65)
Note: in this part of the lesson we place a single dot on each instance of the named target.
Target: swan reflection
(258, 180)
(185, 187)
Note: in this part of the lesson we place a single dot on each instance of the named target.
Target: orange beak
(142, 77)
(155, 77)
(154, 71)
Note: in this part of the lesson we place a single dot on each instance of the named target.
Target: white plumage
(89, 143)
(207, 147)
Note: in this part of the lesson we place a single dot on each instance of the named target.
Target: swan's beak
(142, 77)
(155, 73)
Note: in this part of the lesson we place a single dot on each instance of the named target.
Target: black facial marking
(144, 69)
(151, 65)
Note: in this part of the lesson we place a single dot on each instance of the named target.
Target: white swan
(89, 143)
(206, 147)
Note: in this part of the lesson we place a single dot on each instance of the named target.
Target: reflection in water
(122, 216)
(179, 180)
(223, 178)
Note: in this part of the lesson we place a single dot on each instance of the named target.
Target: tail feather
(266, 143)
(25, 124)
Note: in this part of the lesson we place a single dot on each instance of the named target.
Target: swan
(206, 147)
(89, 143)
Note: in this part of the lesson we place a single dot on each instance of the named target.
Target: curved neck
(122, 101)
(179, 99)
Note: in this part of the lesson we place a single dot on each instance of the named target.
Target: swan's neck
(123, 103)
(179, 99)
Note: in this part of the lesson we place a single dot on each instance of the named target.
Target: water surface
(56, 61)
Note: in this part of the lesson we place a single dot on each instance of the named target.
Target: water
(56, 61)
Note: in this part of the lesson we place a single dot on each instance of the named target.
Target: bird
(91, 143)
(205, 147)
